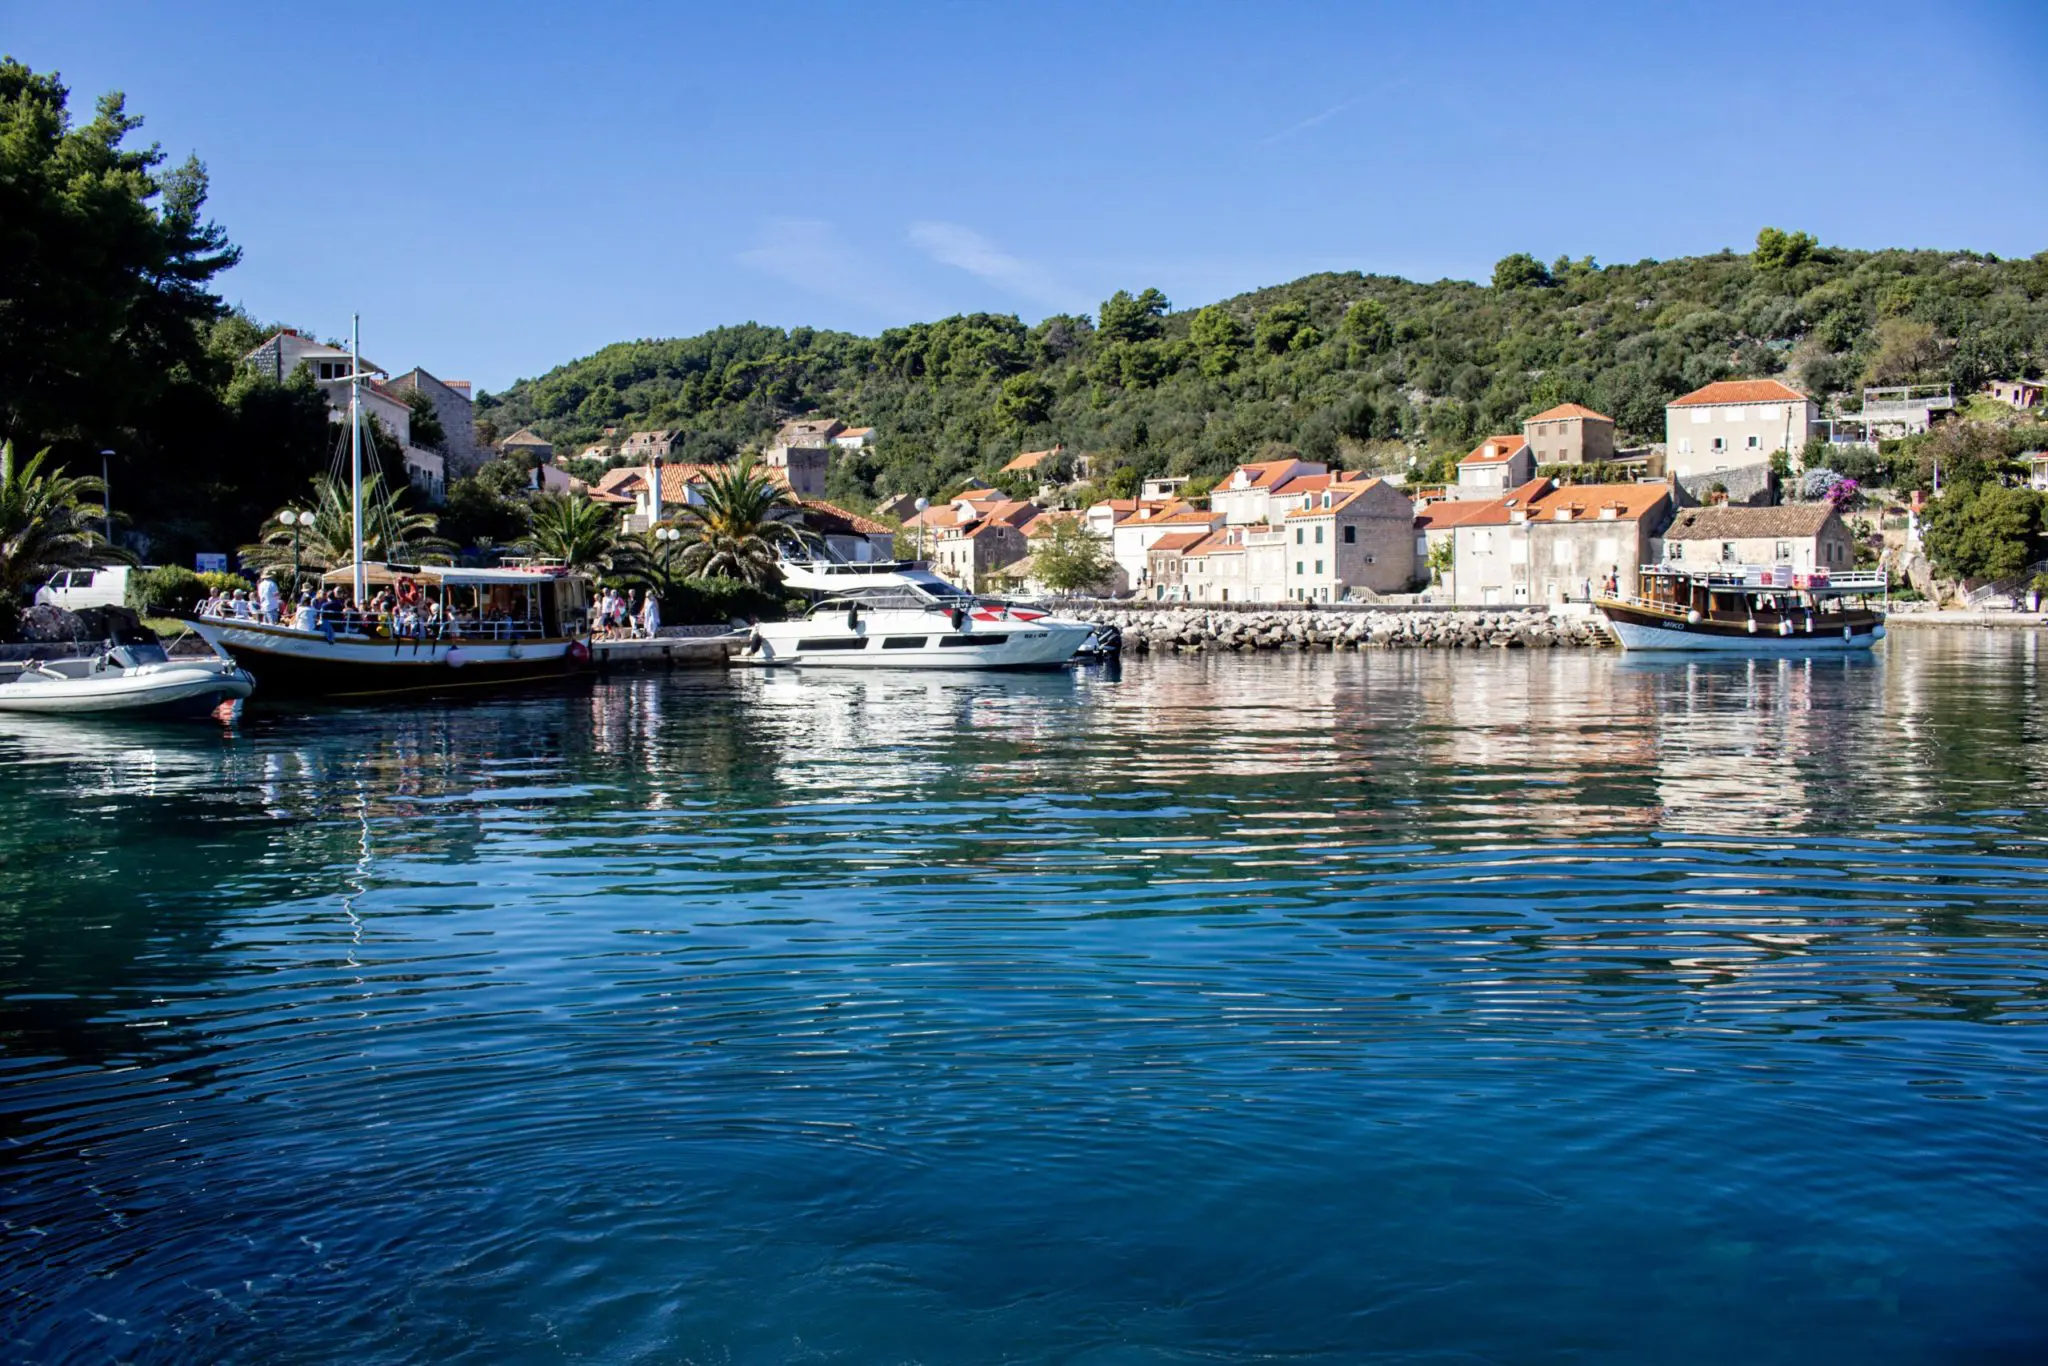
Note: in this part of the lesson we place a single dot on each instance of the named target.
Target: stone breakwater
(1192, 629)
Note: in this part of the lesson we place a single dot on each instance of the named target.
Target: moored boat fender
(1785, 627)
(579, 653)
(853, 617)
(456, 659)
(1809, 623)
(958, 616)
(1845, 633)
(1752, 625)
(754, 642)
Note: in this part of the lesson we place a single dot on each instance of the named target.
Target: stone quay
(1167, 628)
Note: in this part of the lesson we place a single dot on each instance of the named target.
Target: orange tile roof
(1263, 472)
(1351, 495)
(1485, 512)
(1315, 483)
(1540, 500)
(866, 526)
(1028, 461)
(1739, 391)
(1222, 541)
(1567, 410)
(1179, 540)
(1504, 448)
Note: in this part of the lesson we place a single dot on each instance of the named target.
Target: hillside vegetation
(1361, 370)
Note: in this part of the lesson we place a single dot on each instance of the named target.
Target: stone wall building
(1542, 543)
(1807, 536)
(456, 410)
(1496, 465)
(1569, 434)
(1735, 423)
(1351, 536)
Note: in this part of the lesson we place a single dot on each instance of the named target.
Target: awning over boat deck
(384, 575)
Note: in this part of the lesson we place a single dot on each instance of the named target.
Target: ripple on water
(1418, 1006)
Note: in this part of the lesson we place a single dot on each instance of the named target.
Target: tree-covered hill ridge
(1362, 370)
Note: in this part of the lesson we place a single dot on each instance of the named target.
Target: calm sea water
(1397, 1007)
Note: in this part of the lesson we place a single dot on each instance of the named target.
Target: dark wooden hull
(1638, 627)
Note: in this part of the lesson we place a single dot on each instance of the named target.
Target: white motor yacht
(133, 680)
(893, 616)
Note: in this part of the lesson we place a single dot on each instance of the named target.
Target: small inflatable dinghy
(128, 680)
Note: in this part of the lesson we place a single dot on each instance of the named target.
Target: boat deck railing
(1772, 577)
(360, 626)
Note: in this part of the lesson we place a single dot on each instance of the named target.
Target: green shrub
(714, 602)
(171, 589)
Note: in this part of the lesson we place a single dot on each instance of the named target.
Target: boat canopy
(385, 575)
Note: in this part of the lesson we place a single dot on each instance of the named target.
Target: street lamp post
(922, 504)
(107, 491)
(668, 536)
(295, 520)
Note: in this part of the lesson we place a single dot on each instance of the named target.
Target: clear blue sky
(500, 188)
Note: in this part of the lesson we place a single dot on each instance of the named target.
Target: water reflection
(1503, 1004)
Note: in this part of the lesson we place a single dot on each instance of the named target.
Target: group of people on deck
(617, 616)
(401, 611)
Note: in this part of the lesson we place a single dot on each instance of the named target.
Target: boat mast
(355, 448)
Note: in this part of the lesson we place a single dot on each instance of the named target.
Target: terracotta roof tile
(1500, 448)
(1569, 410)
(1740, 391)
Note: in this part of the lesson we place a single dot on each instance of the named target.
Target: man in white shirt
(268, 596)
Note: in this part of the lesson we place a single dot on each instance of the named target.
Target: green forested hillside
(1358, 369)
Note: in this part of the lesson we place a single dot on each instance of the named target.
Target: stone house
(457, 413)
(801, 467)
(1495, 465)
(1165, 565)
(1132, 538)
(808, 431)
(1542, 543)
(1246, 495)
(1569, 434)
(854, 438)
(642, 447)
(1806, 536)
(1350, 536)
(1214, 568)
(1733, 424)
(528, 445)
(283, 352)
(970, 553)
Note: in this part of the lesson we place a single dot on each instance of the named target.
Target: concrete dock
(663, 652)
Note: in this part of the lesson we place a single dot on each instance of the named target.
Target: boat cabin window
(833, 643)
(978, 638)
(905, 642)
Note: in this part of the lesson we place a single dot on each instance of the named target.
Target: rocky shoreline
(1168, 630)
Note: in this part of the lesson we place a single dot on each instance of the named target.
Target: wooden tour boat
(1750, 609)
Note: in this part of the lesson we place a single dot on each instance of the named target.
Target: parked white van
(75, 589)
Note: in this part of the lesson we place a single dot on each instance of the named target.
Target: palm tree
(45, 525)
(580, 533)
(392, 532)
(738, 529)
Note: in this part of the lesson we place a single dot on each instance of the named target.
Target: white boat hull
(917, 640)
(181, 687)
(1679, 637)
